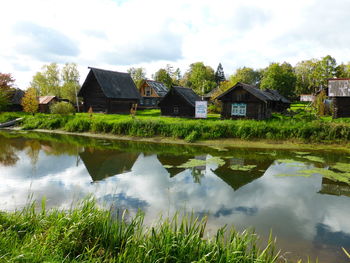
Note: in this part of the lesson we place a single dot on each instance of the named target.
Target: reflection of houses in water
(237, 179)
(170, 163)
(334, 188)
(104, 163)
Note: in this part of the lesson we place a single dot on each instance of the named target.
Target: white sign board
(201, 109)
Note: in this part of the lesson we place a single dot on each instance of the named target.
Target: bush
(62, 108)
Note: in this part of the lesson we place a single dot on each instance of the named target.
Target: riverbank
(219, 144)
(90, 234)
(285, 133)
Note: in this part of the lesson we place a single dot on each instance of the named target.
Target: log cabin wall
(255, 108)
(174, 105)
(341, 107)
(94, 97)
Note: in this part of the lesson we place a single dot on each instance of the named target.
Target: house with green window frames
(247, 101)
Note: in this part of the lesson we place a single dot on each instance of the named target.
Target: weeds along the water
(90, 234)
(191, 129)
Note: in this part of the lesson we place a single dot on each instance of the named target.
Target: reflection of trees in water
(32, 150)
(8, 156)
(197, 175)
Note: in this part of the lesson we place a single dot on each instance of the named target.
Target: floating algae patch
(167, 166)
(195, 162)
(302, 153)
(295, 165)
(304, 175)
(245, 168)
(334, 176)
(314, 159)
(343, 167)
(287, 161)
(269, 153)
(220, 149)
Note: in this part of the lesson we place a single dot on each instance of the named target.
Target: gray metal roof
(264, 95)
(158, 87)
(17, 96)
(188, 94)
(339, 87)
(115, 85)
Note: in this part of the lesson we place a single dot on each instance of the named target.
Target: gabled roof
(17, 96)
(188, 94)
(212, 92)
(264, 95)
(158, 87)
(114, 85)
(46, 99)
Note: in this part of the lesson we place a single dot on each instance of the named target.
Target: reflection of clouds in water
(289, 205)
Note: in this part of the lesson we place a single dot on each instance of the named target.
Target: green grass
(90, 234)
(149, 123)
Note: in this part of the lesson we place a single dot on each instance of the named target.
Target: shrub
(62, 108)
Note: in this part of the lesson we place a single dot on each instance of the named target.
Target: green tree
(163, 76)
(137, 75)
(280, 77)
(6, 90)
(246, 75)
(219, 74)
(306, 73)
(200, 78)
(70, 78)
(47, 82)
(343, 70)
(30, 102)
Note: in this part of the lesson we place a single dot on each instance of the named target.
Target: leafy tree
(246, 75)
(47, 82)
(29, 102)
(343, 70)
(137, 75)
(306, 74)
(163, 76)
(6, 81)
(326, 69)
(219, 74)
(6, 90)
(70, 77)
(200, 78)
(4, 100)
(280, 77)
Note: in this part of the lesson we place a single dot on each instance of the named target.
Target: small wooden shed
(179, 101)
(152, 92)
(246, 101)
(16, 100)
(109, 91)
(45, 103)
(339, 92)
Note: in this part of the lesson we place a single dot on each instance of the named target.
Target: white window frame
(239, 109)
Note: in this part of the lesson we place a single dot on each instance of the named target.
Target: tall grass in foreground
(89, 234)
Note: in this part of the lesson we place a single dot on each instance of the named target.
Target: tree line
(305, 77)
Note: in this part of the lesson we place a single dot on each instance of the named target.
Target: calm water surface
(310, 215)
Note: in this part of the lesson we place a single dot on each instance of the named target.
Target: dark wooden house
(179, 101)
(152, 92)
(339, 92)
(109, 91)
(16, 100)
(45, 103)
(246, 101)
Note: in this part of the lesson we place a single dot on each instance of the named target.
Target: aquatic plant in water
(314, 159)
(238, 167)
(195, 162)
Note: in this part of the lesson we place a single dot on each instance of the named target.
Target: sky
(119, 34)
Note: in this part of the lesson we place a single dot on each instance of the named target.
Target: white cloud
(118, 34)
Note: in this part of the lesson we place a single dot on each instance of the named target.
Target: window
(148, 91)
(239, 109)
(176, 110)
(153, 102)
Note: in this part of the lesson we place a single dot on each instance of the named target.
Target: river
(303, 197)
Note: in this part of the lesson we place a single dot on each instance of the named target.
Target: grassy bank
(149, 124)
(89, 234)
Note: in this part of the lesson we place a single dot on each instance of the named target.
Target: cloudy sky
(118, 34)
